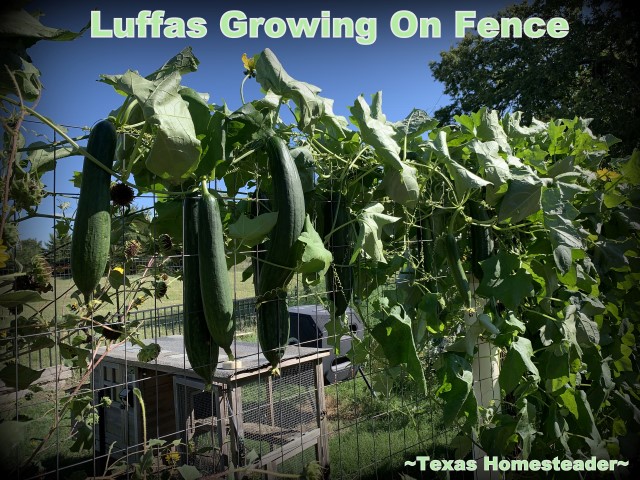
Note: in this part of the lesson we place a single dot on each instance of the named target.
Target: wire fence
(154, 323)
(353, 416)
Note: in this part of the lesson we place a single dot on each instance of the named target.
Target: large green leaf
(516, 363)
(631, 168)
(514, 128)
(522, 198)
(306, 165)
(463, 179)
(564, 233)
(43, 156)
(500, 435)
(252, 231)
(376, 132)
(313, 108)
(168, 218)
(396, 339)
(189, 472)
(316, 259)
(369, 239)
(525, 427)
(20, 30)
(505, 279)
(15, 298)
(401, 185)
(496, 168)
(490, 128)
(456, 385)
(175, 151)
(19, 376)
(416, 123)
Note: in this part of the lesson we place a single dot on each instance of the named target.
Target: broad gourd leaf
(43, 156)
(525, 427)
(335, 125)
(463, 179)
(496, 168)
(490, 128)
(396, 339)
(252, 231)
(189, 472)
(19, 297)
(315, 259)
(198, 108)
(168, 218)
(505, 279)
(369, 239)
(305, 164)
(564, 234)
(21, 30)
(19, 376)
(513, 127)
(416, 123)
(272, 76)
(500, 435)
(521, 200)
(182, 63)
(376, 133)
(214, 147)
(516, 363)
(401, 185)
(456, 381)
(175, 151)
(631, 168)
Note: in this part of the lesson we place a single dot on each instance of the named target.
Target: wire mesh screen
(197, 422)
(359, 414)
(280, 410)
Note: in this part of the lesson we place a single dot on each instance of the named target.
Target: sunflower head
(122, 194)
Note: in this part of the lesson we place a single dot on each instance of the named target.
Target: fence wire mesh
(98, 407)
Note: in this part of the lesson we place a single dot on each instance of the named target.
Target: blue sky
(342, 67)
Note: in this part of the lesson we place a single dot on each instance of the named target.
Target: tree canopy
(590, 73)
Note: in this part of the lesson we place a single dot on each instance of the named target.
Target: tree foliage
(591, 73)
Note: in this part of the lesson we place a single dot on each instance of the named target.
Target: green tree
(26, 250)
(590, 73)
(58, 248)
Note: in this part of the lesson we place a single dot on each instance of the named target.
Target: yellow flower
(4, 256)
(172, 457)
(249, 64)
(116, 277)
(605, 174)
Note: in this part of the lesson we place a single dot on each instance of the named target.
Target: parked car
(308, 328)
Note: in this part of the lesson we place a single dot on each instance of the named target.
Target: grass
(371, 437)
(63, 289)
(36, 413)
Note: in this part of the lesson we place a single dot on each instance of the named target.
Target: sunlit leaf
(369, 239)
(396, 339)
(252, 231)
(315, 258)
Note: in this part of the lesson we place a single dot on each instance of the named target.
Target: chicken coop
(249, 418)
